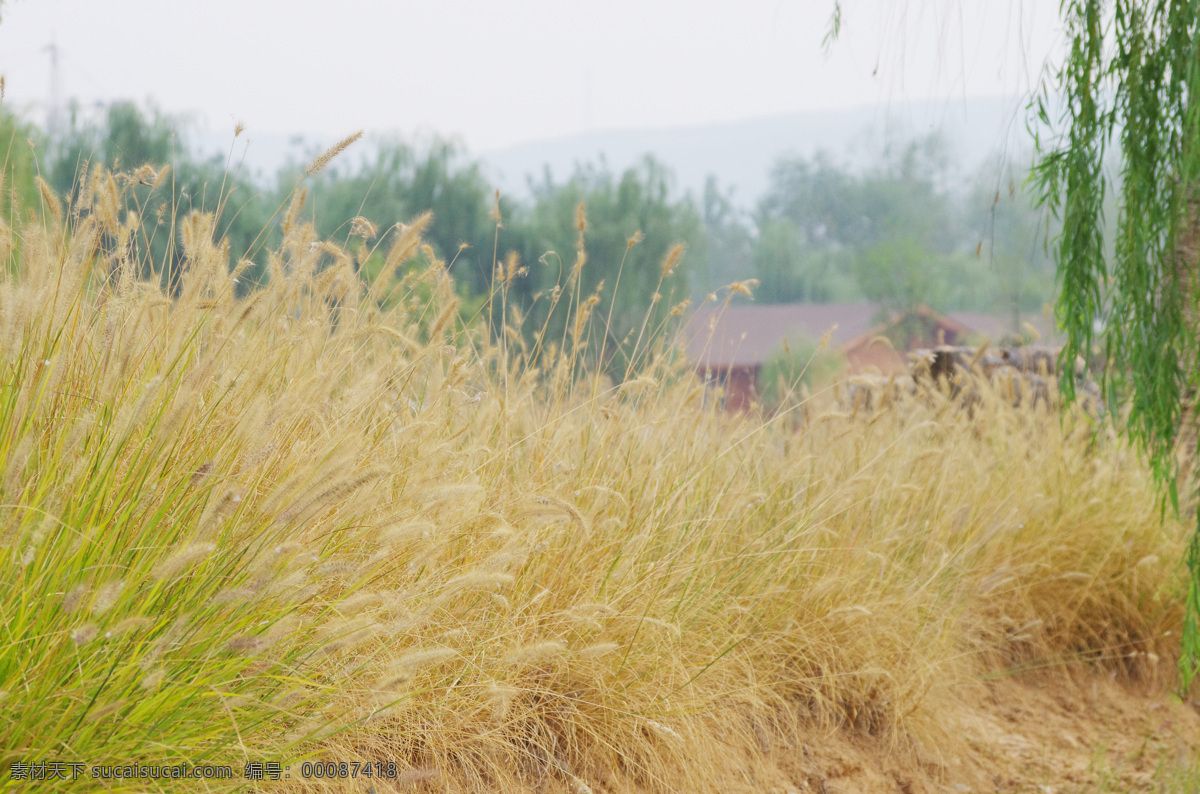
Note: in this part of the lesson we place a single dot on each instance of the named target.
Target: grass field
(338, 520)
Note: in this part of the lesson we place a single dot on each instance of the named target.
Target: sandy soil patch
(1043, 734)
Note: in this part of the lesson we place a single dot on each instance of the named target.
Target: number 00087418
(331, 770)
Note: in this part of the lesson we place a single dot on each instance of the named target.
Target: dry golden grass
(329, 520)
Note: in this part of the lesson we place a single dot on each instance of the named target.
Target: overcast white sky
(500, 73)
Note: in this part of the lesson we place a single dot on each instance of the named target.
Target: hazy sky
(496, 73)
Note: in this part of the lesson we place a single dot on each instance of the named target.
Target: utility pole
(54, 106)
(587, 100)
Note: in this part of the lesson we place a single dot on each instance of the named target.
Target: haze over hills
(740, 154)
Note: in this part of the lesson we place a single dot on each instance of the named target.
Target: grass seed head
(184, 558)
(84, 634)
(414, 660)
(50, 201)
(534, 652)
(329, 154)
(672, 259)
(152, 679)
(106, 597)
(361, 227)
(74, 598)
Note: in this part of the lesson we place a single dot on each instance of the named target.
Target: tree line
(901, 232)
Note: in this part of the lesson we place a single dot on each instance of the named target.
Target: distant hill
(741, 153)
(260, 153)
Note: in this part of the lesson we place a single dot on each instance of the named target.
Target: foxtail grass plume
(183, 559)
(671, 260)
(73, 599)
(329, 154)
(404, 667)
(106, 596)
(599, 649)
(50, 201)
(534, 652)
(746, 287)
(84, 634)
(361, 227)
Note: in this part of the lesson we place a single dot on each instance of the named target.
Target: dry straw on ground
(338, 519)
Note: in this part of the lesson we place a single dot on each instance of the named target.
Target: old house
(730, 344)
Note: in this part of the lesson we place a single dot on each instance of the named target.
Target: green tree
(899, 272)
(1001, 209)
(908, 229)
(789, 269)
(730, 242)
(18, 167)
(889, 234)
(401, 181)
(808, 226)
(128, 138)
(821, 198)
(902, 233)
(632, 225)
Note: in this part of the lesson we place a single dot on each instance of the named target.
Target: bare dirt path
(1043, 734)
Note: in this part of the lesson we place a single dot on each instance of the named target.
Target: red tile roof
(744, 335)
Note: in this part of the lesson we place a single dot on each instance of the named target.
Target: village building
(730, 344)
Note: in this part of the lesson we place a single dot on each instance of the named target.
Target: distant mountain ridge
(741, 153)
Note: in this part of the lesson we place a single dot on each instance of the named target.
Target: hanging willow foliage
(1132, 69)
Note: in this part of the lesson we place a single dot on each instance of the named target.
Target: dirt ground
(1043, 735)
